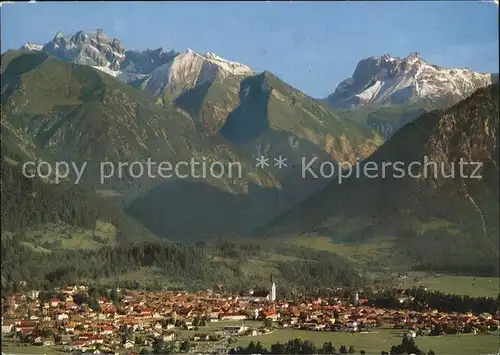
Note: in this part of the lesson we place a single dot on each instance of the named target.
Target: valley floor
(376, 340)
(373, 342)
(380, 248)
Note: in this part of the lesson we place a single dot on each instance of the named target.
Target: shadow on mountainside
(188, 211)
(192, 210)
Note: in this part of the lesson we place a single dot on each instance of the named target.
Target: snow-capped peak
(234, 68)
(94, 49)
(393, 80)
(191, 68)
(98, 50)
(32, 46)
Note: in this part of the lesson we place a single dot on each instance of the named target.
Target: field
(461, 285)
(372, 342)
(45, 237)
(9, 347)
(377, 249)
(374, 254)
(349, 238)
(213, 327)
(375, 341)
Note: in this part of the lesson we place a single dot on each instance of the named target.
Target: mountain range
(86, 98)
(376, 80)
(399, 89)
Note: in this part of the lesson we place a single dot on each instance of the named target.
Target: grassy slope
(236, 263)
(45, 237)
(260, 115)
(267, 103)
(75, 112)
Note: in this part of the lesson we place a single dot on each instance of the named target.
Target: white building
(235, 329)
(355, 299)
(233, 316)
(33, 294)
(261, 296)
(352, 326)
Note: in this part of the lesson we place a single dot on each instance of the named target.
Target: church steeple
(273, 292)
(273, 289)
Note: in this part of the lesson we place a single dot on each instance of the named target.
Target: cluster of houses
(140, 318)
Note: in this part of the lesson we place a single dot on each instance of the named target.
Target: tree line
(191, 265)
(30, 202)
(443, 302)
(299, 346)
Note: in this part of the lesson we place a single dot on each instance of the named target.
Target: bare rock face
(93, 49)
(468, 132)
(102, 52)
(144, 62)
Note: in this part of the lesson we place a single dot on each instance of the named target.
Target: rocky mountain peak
(31, 46)
(393, 80)
(58, 35)
(80, 38)
(413, 56)
(190, 68)
(101, 36)
(94, 49)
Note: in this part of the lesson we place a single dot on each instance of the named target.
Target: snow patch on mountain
(231, 67)
(32, 46)
(371, 92)
(158, 68)
(191, 68)
(164, 68)
(97, 50)
(107, 70)
(394, 80)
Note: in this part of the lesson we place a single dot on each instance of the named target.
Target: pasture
(375, 341)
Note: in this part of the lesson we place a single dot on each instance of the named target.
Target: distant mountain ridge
(98, 50)
(376, 80)
(393, 80)
(107, 54)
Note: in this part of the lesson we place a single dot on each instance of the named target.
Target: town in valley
(83, 319)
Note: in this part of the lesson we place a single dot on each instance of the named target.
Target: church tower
(272, 295)
(273, 292)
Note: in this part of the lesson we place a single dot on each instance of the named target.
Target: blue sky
(312, 46)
